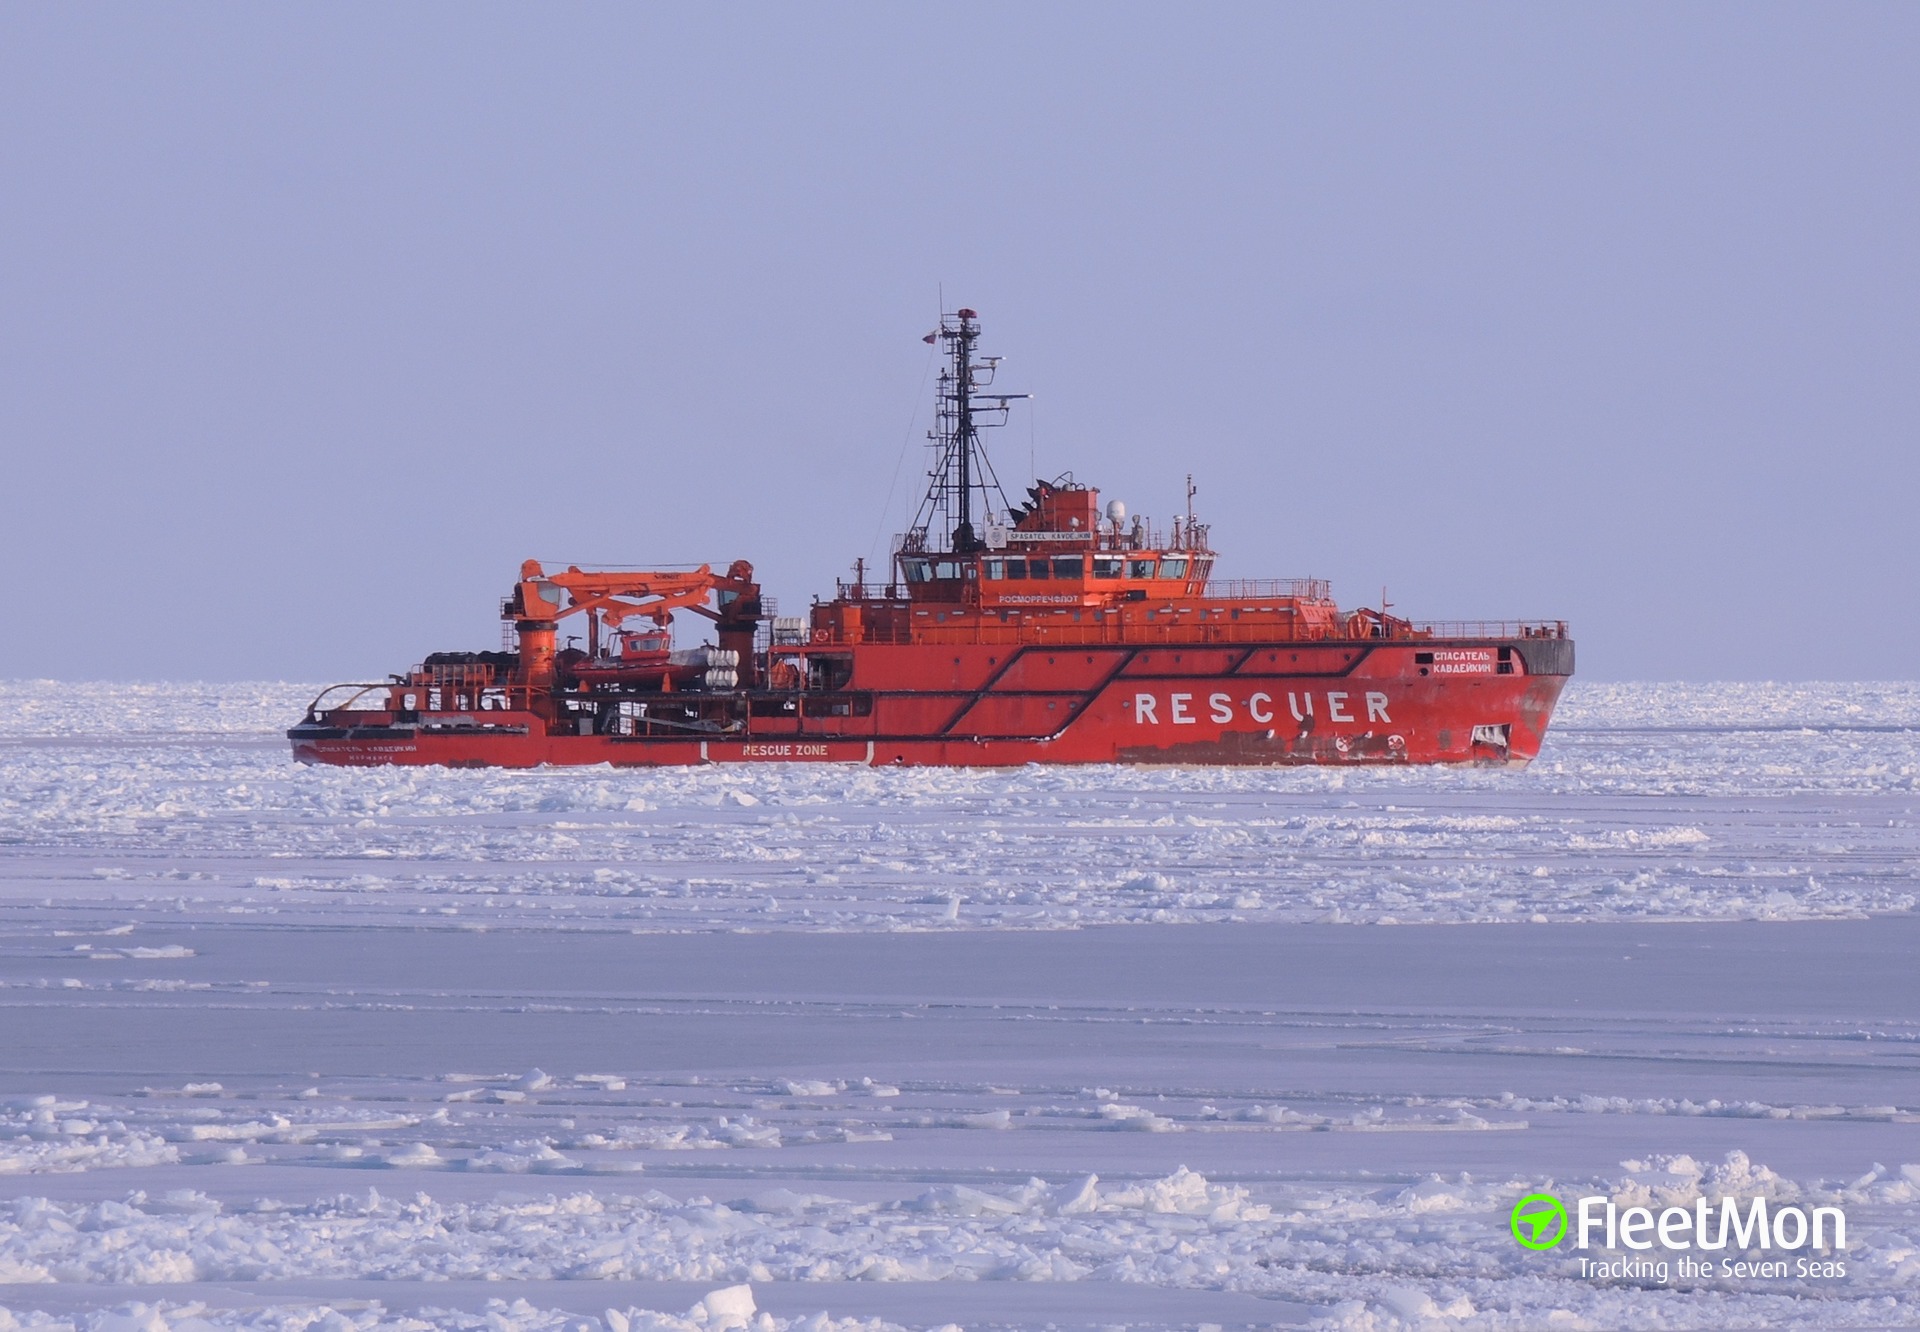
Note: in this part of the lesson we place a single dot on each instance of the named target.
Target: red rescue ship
(1051, 631)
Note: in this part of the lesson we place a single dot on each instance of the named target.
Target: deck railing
(1051, 632)
(1491, 628)
(1241, 589)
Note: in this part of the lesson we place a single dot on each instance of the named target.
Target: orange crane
(541, 600)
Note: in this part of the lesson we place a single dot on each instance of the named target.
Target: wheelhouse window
(1173, 568)
(1016, 568)
(1037, 568)
(1105, 566)
(996, 570)
(1069, 566)
(1140, 568)
(946, 569)
(918, 571)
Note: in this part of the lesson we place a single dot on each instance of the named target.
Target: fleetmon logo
(1539, 1221)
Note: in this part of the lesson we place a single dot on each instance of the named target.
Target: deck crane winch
(540, 600)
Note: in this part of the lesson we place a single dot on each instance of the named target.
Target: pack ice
(833, 1048)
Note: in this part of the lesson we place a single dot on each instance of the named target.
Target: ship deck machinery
(1054, 631)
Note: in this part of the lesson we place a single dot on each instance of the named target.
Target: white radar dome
(1116, 510)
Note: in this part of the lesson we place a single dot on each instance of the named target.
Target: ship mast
(966, 437)
(961, 466)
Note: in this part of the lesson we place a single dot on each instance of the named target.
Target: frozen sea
(834, 1048)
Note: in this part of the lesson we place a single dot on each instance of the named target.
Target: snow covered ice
(826, 1047)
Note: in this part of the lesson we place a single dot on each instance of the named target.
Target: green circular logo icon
(1539, 1221)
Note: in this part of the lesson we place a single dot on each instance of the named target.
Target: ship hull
(1472, 702)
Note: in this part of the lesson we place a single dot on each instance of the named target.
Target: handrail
(313, 708)
(454, 674)
(1240, 589)
(1048, 633)
(1490, 628)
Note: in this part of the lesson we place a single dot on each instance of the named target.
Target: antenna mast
(960, 462)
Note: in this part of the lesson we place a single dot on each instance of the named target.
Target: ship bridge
(1058, 552)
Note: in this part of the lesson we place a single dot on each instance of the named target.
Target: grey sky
(316, 320)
